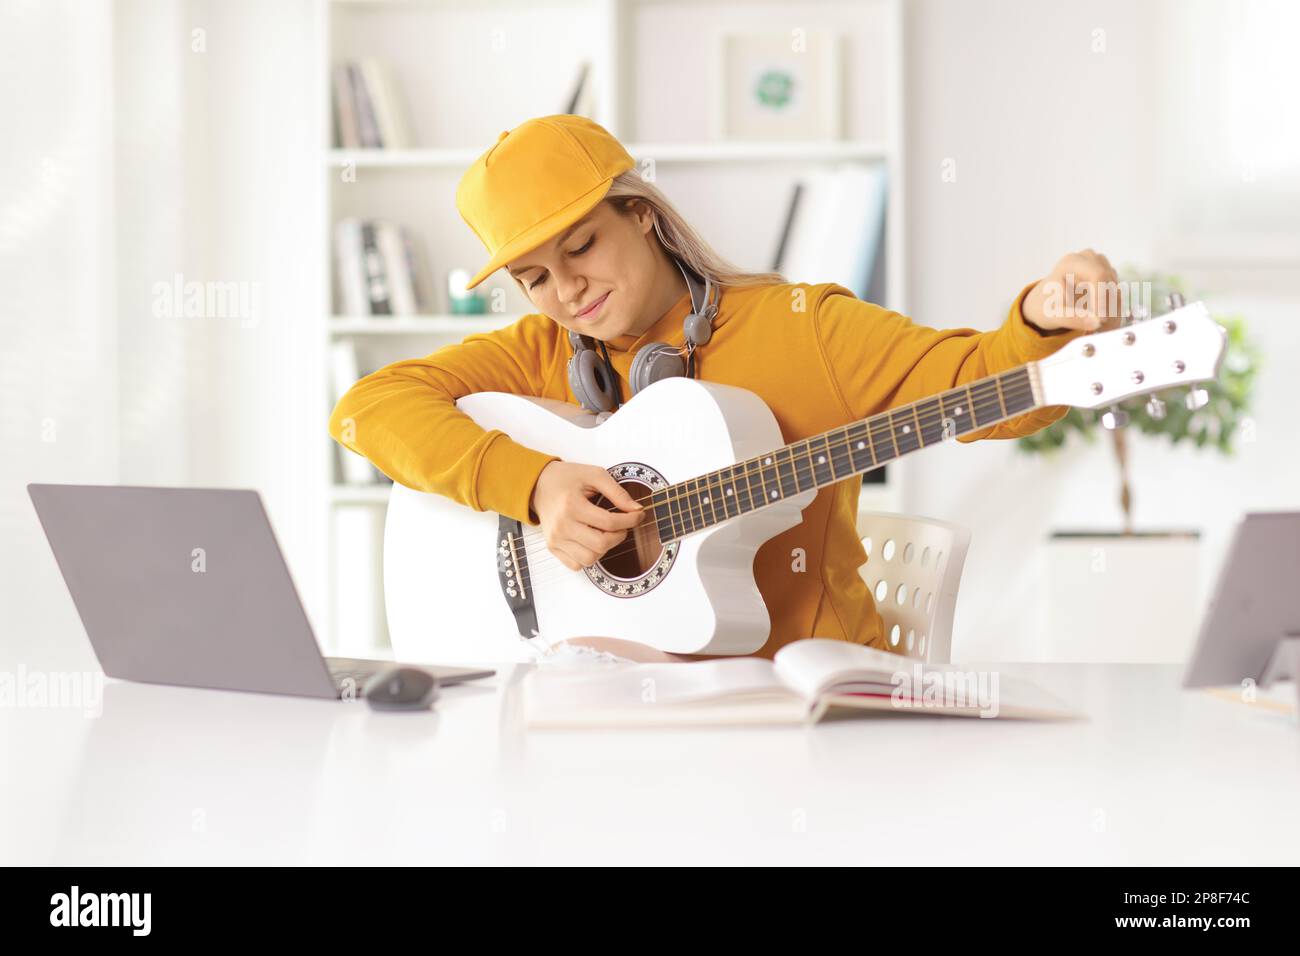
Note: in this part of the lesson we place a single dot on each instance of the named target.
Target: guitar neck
(854, 449)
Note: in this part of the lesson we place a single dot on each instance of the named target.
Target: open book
(806, 681)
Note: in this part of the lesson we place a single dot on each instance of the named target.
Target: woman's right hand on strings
(577, 530)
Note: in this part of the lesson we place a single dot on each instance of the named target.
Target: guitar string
(546, 560)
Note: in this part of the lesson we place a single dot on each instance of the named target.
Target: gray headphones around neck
(595, 384)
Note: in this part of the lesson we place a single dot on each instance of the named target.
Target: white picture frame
(778, 86)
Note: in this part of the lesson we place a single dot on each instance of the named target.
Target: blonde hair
(677, 236)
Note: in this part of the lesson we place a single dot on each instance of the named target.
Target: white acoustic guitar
(710, 464)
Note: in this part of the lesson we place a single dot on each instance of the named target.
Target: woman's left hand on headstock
(1081, 292)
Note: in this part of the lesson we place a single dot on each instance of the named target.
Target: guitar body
(449, 570)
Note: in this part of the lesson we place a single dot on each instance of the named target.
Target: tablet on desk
(1251, 628)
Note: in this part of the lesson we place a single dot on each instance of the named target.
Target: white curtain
(142, 140)
(58, 337)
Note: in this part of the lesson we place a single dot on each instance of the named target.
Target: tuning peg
(1155, 407)
(1197, 398)
(1114, 417)
(1174, 300)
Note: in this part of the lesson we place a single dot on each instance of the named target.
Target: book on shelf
(345, 113)
(376, 271)
(381, 268)
(834, 228)
(354, 469)
(397, 273)
(417, 264)
(367, 132)
(806, 682)
(391, 118)
(582, 101)
(369, 108)
(349, 268)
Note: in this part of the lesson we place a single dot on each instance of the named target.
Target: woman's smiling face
(595, 277)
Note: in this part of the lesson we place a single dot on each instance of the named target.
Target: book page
(610, 686)
(819, 669)
(759, 708)
(811, 666)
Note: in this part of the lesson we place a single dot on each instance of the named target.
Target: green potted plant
(1131, 594)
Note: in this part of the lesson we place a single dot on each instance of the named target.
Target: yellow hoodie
(817, 355)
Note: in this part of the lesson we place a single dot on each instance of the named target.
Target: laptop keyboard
(358, 675)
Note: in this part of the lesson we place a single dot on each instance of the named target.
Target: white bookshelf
(469, 70)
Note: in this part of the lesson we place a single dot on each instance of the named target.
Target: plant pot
(1118, 598)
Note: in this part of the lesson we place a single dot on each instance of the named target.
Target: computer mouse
(402, 688)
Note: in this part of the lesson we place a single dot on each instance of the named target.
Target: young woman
(600, 252)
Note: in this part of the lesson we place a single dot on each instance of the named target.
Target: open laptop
(188, 586)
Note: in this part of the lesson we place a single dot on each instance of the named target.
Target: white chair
(913, 569)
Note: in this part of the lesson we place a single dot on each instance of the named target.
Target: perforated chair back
(913, 569)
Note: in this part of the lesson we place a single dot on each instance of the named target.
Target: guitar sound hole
(640, 550)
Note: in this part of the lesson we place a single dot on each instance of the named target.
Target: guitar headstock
(1184, 346)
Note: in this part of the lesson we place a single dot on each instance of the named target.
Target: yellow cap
(537, 179)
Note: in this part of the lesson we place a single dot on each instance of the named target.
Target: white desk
(169, 775)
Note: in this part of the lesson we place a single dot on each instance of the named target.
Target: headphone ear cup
(589, 382)
(698, 328)
(654, 362)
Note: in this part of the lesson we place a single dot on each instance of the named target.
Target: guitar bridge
(514, 576)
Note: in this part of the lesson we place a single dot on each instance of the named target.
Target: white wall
(1058, 147)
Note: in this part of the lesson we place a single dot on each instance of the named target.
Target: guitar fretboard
(840, 453)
